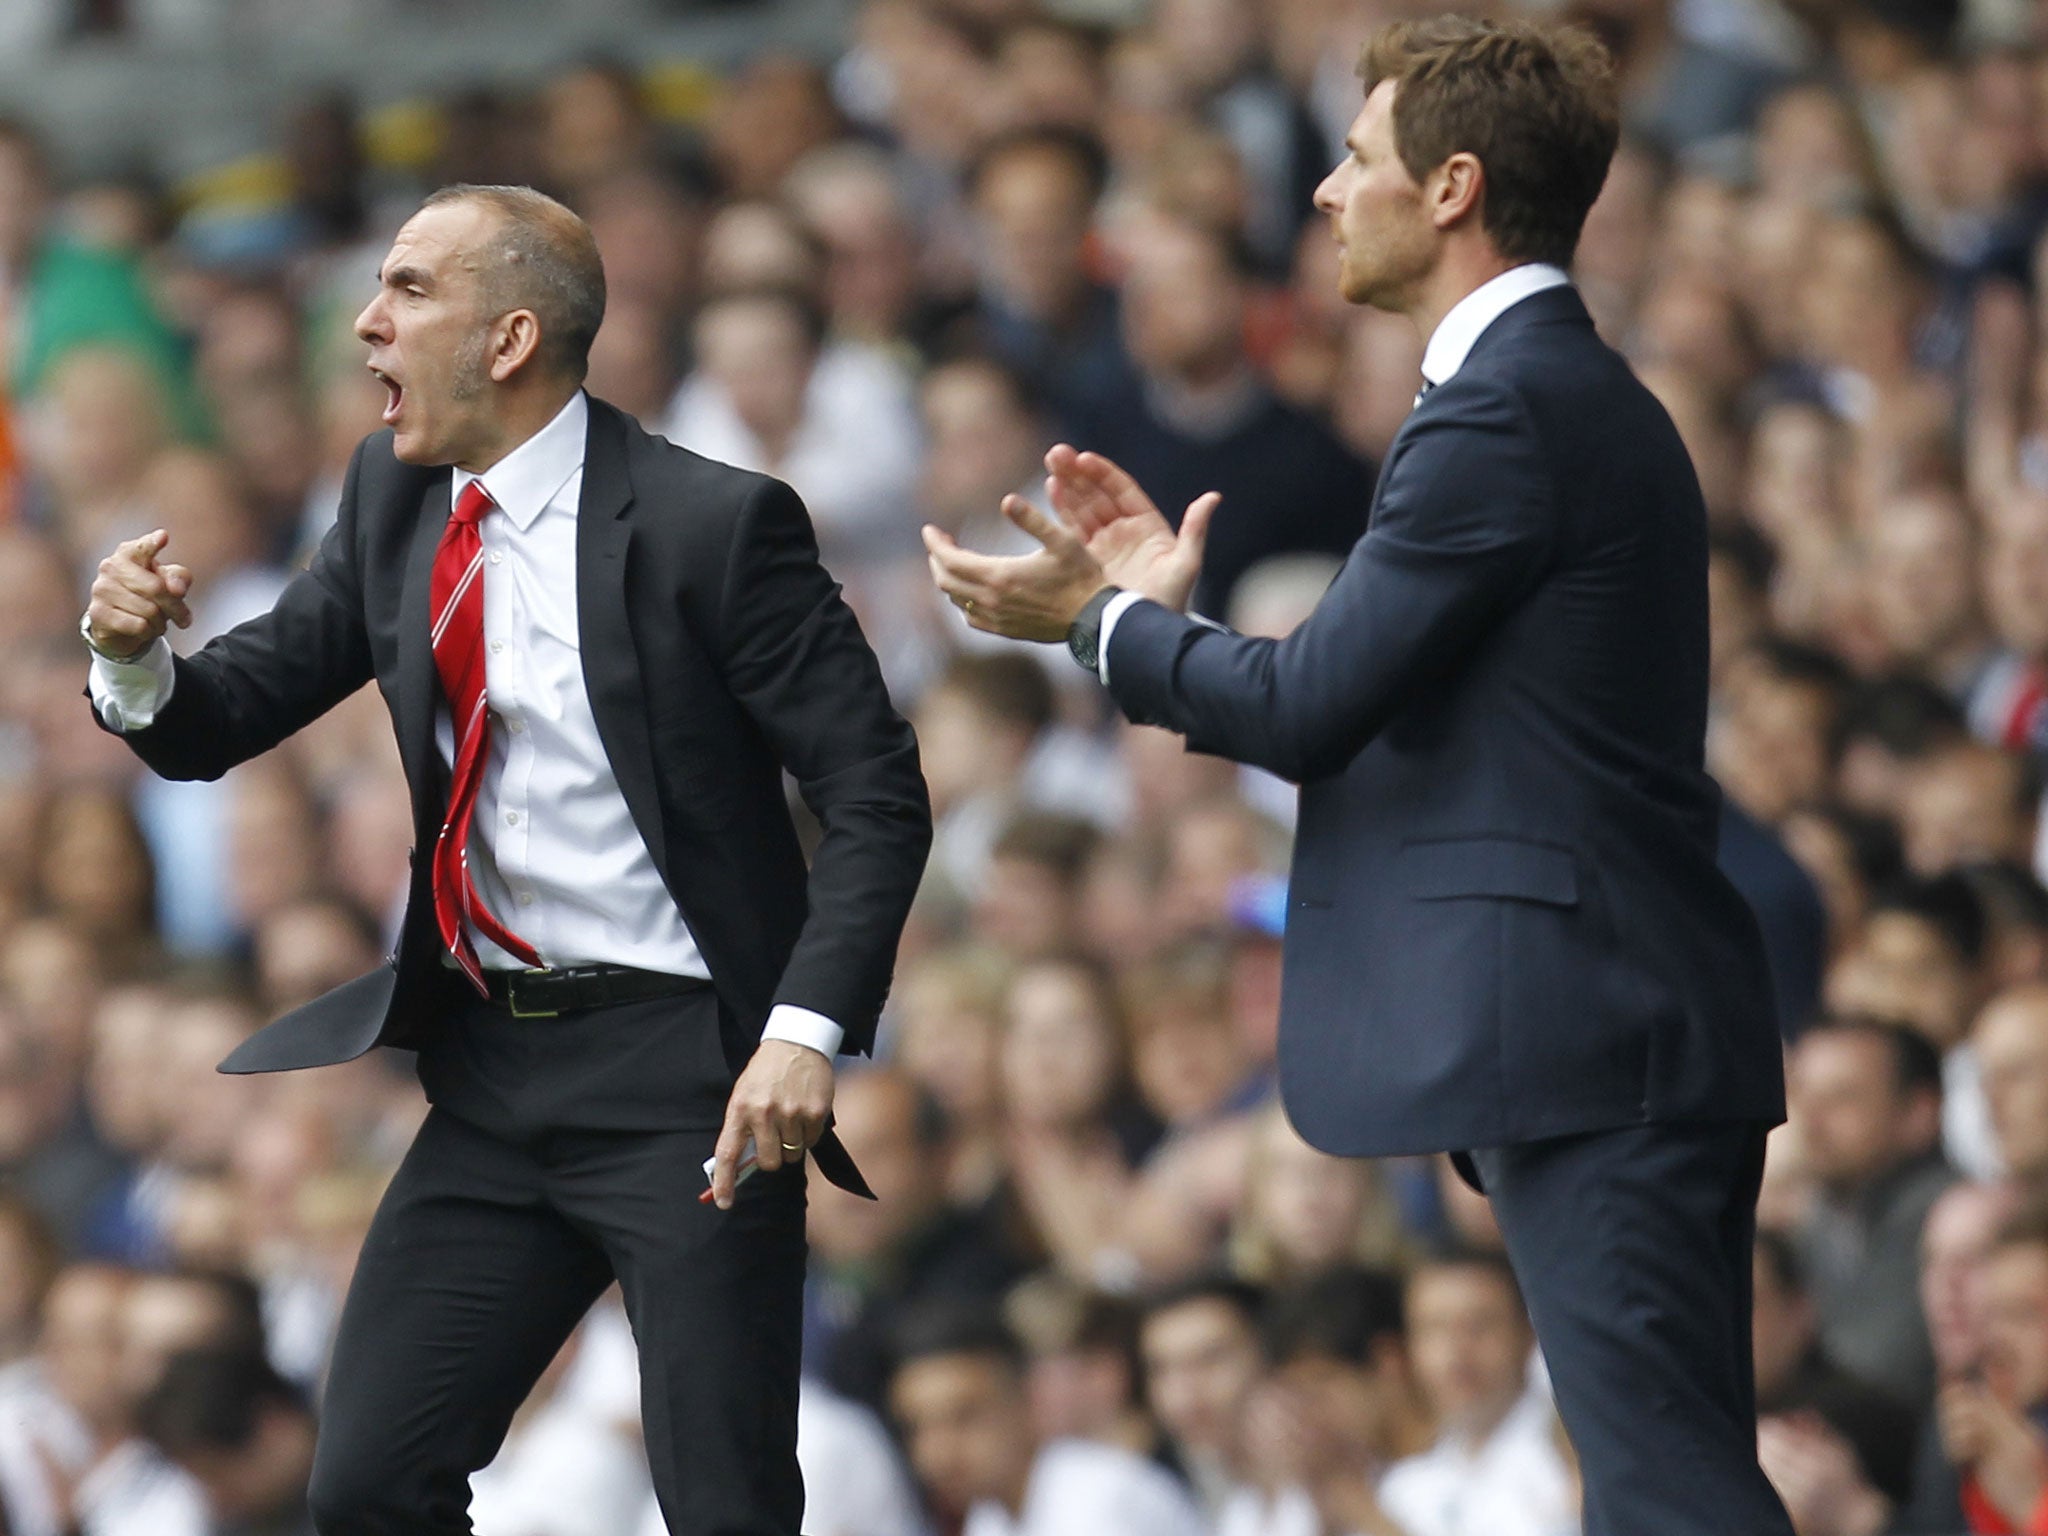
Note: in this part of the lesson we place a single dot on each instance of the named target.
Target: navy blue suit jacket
(1505, 921)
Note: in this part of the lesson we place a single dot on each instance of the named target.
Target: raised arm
(246, 690)
(1463, 529)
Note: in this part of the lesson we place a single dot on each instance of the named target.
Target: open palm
(1124, 530)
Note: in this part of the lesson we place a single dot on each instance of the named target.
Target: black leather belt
(546, 994)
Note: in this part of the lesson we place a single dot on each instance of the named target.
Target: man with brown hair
(1506, 936)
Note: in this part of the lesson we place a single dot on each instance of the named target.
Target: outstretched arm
(246, 690)
(1463, 528)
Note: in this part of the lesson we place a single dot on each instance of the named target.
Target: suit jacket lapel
(611, 663)
(419, 686)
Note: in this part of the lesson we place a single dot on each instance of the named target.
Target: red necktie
(457, 592)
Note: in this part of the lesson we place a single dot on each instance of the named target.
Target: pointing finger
(143, 551)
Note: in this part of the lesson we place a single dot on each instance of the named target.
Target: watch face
(1082, 643)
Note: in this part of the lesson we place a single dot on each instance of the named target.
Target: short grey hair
(544, 259)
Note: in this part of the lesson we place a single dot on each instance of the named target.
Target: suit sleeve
(1464, 529)
(797, 662)
(247, 690)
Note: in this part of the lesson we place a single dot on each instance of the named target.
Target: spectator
(1029, 903)
(1199, 1341)
(1305, 1212)
(958, 1398)
(1038, 306)
(1338, 1406)
(1082, 1371)
(2011, 1047)
(854, 1481)
(1838, 1450)
(564, 1469)
(1197, 417)
(66, 295)
(1954, 1244)
(977, 726)
(1498, 1466)
(1996, 1428)
(1073, 1130)
(242, 1433)
(1922, 591)
(769, 395)
(876, 1263)
(946, 1023)
(1866, 1099)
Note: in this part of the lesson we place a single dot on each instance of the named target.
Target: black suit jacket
(1505, 921)
(717, 654)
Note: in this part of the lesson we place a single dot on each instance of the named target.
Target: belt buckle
(513, 989)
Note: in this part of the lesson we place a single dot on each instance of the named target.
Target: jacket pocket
(1497, 867)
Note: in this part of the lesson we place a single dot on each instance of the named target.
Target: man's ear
(515, 340)
(1457, 191)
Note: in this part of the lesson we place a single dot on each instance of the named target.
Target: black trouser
(1633, 1248)
(500, 1230)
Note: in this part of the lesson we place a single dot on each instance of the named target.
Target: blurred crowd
(1107, 1288)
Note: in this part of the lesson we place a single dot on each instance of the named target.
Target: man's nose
(370, 323)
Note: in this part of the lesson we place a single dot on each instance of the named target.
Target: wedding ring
(792, 1146)
(968, 606)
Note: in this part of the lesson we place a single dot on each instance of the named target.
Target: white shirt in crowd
(132, 1491)
(562, 1472)
(1082, 1488)
(1254, 1512)
(553, 849)
(1449, 344)
(854, 458)
(1515, 1483)
(854, 1483)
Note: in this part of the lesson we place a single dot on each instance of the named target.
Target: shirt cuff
(800, 1026)
(1117, 607)
(128, 694)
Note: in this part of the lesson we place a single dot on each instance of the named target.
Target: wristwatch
(1084, 635)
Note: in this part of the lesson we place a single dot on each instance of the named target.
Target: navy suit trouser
(1634, 1251)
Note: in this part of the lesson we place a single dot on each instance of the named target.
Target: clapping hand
(1996, 1444)
(1105, 532)
(1124, 531)
(1817, 1475)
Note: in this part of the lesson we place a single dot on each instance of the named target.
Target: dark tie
(458, 639)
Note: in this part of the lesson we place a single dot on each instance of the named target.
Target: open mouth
(397, 393)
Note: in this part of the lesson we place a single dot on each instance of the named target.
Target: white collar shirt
(553, 850)
(1084, 1488)
(1466, 321)
(1513, 1483)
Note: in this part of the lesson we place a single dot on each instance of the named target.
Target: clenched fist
(136, 596)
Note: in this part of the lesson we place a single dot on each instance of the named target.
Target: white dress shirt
(553, 850)
(1084, 1488)
(1514, 1483)
(1449, 344)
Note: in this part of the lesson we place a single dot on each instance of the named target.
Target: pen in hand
(749, 1161)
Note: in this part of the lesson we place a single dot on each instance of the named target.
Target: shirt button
(497, 557)
(511, 818)
(497, 646)
(515, 726)
(526, 898)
